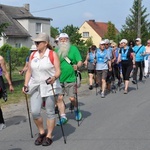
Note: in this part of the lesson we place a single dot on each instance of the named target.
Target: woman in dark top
(127, 59)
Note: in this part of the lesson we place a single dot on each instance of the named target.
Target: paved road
(117, 122)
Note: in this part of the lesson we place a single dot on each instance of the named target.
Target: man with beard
(70, 60)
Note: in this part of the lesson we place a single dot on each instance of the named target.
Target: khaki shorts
(101, 74)
(69, 89)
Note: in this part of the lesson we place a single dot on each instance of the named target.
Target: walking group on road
(51, 75)
(110, 62)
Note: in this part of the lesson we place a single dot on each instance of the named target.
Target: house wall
(30, 26)
(87, 28)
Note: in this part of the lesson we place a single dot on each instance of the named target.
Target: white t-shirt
(42, 69)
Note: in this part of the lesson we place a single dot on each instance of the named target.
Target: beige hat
(33, 48)
(41, 37)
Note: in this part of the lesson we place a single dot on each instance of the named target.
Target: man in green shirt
(70, 61)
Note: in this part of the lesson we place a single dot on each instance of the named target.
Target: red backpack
(51, 57)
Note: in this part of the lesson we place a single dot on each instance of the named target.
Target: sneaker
(90, 87)
(2, 126)
(134, 82)
(125, 91)
(63, 121)
(78, 115)
(102, 95)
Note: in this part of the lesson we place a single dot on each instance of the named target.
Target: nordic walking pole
(59, 116)
(29, 115)
(76, 92)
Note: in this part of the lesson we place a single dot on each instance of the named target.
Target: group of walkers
(111, 61)
(52, 74)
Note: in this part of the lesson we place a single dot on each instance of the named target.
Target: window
(85, 34)
(18, 45)
(38, 27)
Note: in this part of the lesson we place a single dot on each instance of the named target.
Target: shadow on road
(15, 149)
(15, 120)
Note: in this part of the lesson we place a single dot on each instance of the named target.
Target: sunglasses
(148, 42)
(37, 43)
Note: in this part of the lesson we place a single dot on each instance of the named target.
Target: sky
(76, 12)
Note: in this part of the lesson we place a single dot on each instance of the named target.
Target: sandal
(40, 138)
(47, 141)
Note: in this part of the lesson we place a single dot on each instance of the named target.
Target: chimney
(92, 20)
(27, 7)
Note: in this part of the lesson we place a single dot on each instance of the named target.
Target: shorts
(101, 74)
(91, 71)
(69, 89)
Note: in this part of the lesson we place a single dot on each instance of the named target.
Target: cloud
(88, 15)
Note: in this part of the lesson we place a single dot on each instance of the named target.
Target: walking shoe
(2, 126)
(78, 115)
(90, 87)
(125, 91)
(134, 82)
(63, 120)
(102, 95)
(40, 138)
(47, 141)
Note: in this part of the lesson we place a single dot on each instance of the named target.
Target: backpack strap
(32, 55)
(51, 56)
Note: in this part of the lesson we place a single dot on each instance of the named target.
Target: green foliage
(3, 26)
(74, 35)
(54, 32)
(130, 29)
(16, 56)
(89, 42)
(111, 32)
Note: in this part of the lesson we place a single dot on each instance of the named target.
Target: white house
(22, 25)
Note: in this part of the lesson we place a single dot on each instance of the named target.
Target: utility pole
(139, 19)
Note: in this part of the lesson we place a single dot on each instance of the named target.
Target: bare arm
(5, 72)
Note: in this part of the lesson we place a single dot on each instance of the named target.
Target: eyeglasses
(37, 43)
(113, 46)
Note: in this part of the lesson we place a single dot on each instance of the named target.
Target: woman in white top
(40, 68)
(147, 59)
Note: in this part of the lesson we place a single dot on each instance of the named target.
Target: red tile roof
(99, 27)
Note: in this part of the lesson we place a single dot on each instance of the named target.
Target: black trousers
(126, 70)
(139, 65)
(1, 116)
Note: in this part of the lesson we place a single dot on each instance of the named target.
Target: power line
(58, 6)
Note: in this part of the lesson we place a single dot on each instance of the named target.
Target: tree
(73, 33)
(89, 42)
(130, 29)
(54, 32)
(111, 32)
(3, 26)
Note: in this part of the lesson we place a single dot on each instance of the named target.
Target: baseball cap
(138, 39)
(107, 41)
(41, 37)
(102, 42)
(33, 48)
(63, 35)
(123, 41)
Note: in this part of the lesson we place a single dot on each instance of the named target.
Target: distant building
(94, 30)
(22, 25)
